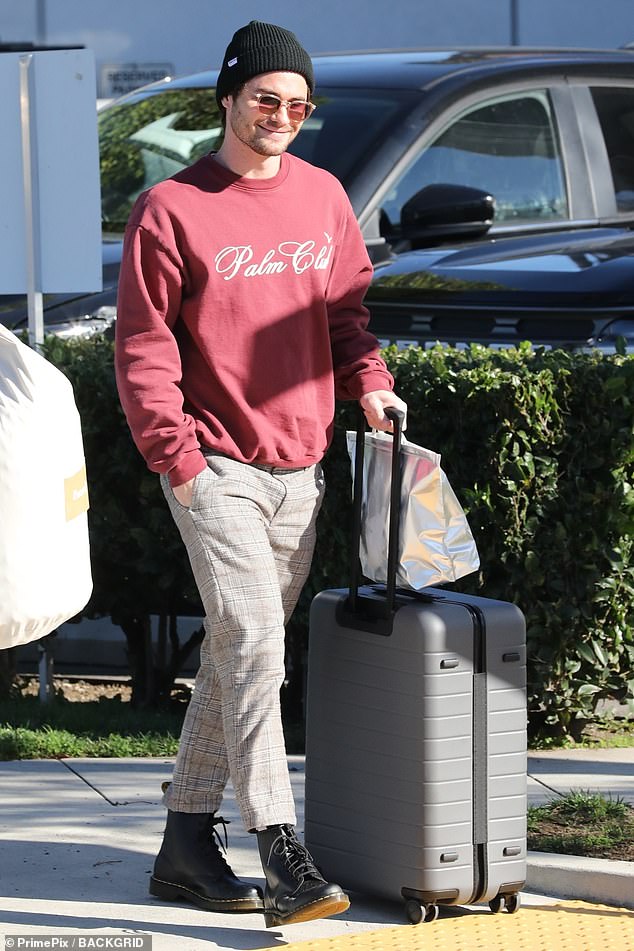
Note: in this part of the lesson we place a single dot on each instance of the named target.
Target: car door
(514, 143)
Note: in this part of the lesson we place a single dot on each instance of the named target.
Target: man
(240, 318)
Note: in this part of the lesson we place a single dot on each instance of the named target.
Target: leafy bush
(538, 446)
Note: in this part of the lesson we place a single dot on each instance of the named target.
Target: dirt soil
(78, 691)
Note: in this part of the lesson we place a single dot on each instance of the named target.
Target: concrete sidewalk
(78, 839)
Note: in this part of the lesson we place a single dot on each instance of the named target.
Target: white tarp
(45, 575)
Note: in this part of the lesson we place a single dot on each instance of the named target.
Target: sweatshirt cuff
(188, 468)
(371, 381)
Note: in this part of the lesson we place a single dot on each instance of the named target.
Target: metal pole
(33, 271)
(31, 202)
(40, 21)
(45, 670)
(515, 25)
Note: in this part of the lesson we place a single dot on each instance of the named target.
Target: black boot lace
(296, 856)
(212, 839)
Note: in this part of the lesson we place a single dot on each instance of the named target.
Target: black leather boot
(295, 888)
(190, 867)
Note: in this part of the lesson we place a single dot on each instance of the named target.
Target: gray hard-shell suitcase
(416, 740)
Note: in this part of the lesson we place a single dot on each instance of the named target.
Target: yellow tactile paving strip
(566, 926)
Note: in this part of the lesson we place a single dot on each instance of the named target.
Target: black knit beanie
(262, 48)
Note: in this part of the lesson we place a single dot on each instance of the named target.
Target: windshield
(149, 138)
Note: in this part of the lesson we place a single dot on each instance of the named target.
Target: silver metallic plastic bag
(435, 541)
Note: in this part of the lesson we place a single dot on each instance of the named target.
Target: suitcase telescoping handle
(397, 416)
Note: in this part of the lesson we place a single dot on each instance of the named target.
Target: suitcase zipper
(479, 747)
(480, 757)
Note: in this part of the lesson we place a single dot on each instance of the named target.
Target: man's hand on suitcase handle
(374, 405)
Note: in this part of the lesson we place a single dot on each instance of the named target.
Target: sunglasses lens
(269, 104)
(298, 110)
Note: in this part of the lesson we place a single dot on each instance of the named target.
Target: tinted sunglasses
(296, 109)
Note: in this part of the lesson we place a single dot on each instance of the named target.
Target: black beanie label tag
(232, 62)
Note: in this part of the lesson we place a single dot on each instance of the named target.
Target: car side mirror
(439, 211)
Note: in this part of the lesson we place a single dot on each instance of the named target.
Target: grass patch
(604, 733)
(48, 743)
(583, 823)
(106, 727)
(615, 732)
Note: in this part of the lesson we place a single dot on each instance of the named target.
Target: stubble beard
(256, 142)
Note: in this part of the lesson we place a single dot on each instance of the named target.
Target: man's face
(266, 135)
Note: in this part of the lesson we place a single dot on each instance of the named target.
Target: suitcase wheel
(501, 902)
(417, 912)
(512, 903)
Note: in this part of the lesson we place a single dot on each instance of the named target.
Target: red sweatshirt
(240, 317)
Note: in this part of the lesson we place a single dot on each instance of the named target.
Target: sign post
(31, 204)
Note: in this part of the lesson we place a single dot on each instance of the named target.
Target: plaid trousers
(250, 537)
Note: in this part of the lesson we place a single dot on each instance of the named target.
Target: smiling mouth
(276, 131)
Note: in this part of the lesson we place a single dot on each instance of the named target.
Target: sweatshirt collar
(227, 177)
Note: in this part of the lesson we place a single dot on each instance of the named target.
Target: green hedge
(539, 448)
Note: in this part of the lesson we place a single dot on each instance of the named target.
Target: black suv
(494, 188)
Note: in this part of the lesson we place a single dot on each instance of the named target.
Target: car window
(143, 141)
(507, 146)
(615, 108)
